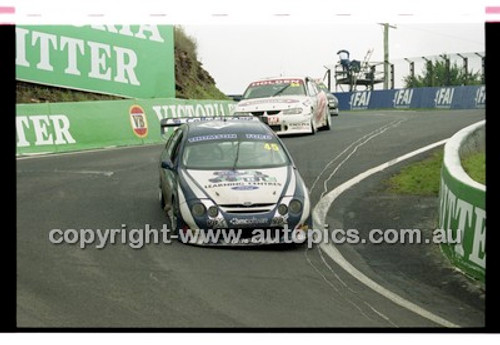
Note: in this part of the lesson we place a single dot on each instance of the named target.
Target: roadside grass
(475, 166)
(34, 93)
(419, 178)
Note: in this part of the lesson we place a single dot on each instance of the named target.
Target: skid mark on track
(335, 288)
(355, 294)
(355, 143)
(380, 314)
(57, 171)
(341, 288)
(347, 294)
(363, 142)
(319, 215)
(334, 273)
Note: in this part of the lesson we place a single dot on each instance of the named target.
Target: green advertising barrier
(462, 211)
(111, 59)
(75, 126)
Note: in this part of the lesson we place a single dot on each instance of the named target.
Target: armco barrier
(462, 204)
(453, 97)
(63, 127)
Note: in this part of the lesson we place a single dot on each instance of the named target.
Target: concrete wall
(462, 204)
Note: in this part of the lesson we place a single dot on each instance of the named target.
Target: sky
(235, 55)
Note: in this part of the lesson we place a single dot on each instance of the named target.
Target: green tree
(436, 73)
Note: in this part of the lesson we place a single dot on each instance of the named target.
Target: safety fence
(452, 97)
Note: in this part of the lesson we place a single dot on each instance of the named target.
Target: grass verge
(475, 166)
(419, 178)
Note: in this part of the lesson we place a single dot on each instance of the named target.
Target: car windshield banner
(110, 59)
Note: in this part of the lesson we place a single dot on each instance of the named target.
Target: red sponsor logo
(138, 121)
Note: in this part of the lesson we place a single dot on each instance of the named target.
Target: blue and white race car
(231, 181)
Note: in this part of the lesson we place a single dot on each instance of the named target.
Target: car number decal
(273, 120)
(271, 147)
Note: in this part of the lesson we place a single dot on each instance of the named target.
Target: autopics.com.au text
(137, 238)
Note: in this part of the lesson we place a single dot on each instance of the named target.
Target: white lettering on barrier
(100, 54)
(126, 30)
(42, 136)
(360, 100)
(183, 110)
(21, 47)
(402, 98)
(72, 44)
(47, 129)
(464, 214)
(61, 130)
(444, 97)
(44, 62)
(478, 254)
(480, 99)
(22, 123)
(209, 109)
(470, 221)
(126, 61)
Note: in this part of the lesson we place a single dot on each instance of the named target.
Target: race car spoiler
(175, 122)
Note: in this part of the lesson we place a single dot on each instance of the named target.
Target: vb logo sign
(138, 121)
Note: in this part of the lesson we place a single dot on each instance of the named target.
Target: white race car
(288, 105)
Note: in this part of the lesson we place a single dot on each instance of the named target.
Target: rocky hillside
(192, 81)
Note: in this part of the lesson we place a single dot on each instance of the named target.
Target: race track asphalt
(182, 286)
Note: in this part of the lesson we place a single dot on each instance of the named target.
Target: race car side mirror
(167, 165)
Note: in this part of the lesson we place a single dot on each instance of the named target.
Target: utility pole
(430, 72)
(328, 74)
(482, 68)
(447, 69)
(412, 72)
(386, 53)
(466, 68)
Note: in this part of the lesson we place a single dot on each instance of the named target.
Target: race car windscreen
(274, 88)
(239, 153)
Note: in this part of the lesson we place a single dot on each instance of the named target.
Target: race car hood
(272, 103)
(242, 187)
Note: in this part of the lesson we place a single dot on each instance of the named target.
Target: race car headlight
(282, 209)
(292, 111)
(213, 211)
(295, 206)
(198, 210)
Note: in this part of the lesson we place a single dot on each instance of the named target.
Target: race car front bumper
(289, 124)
